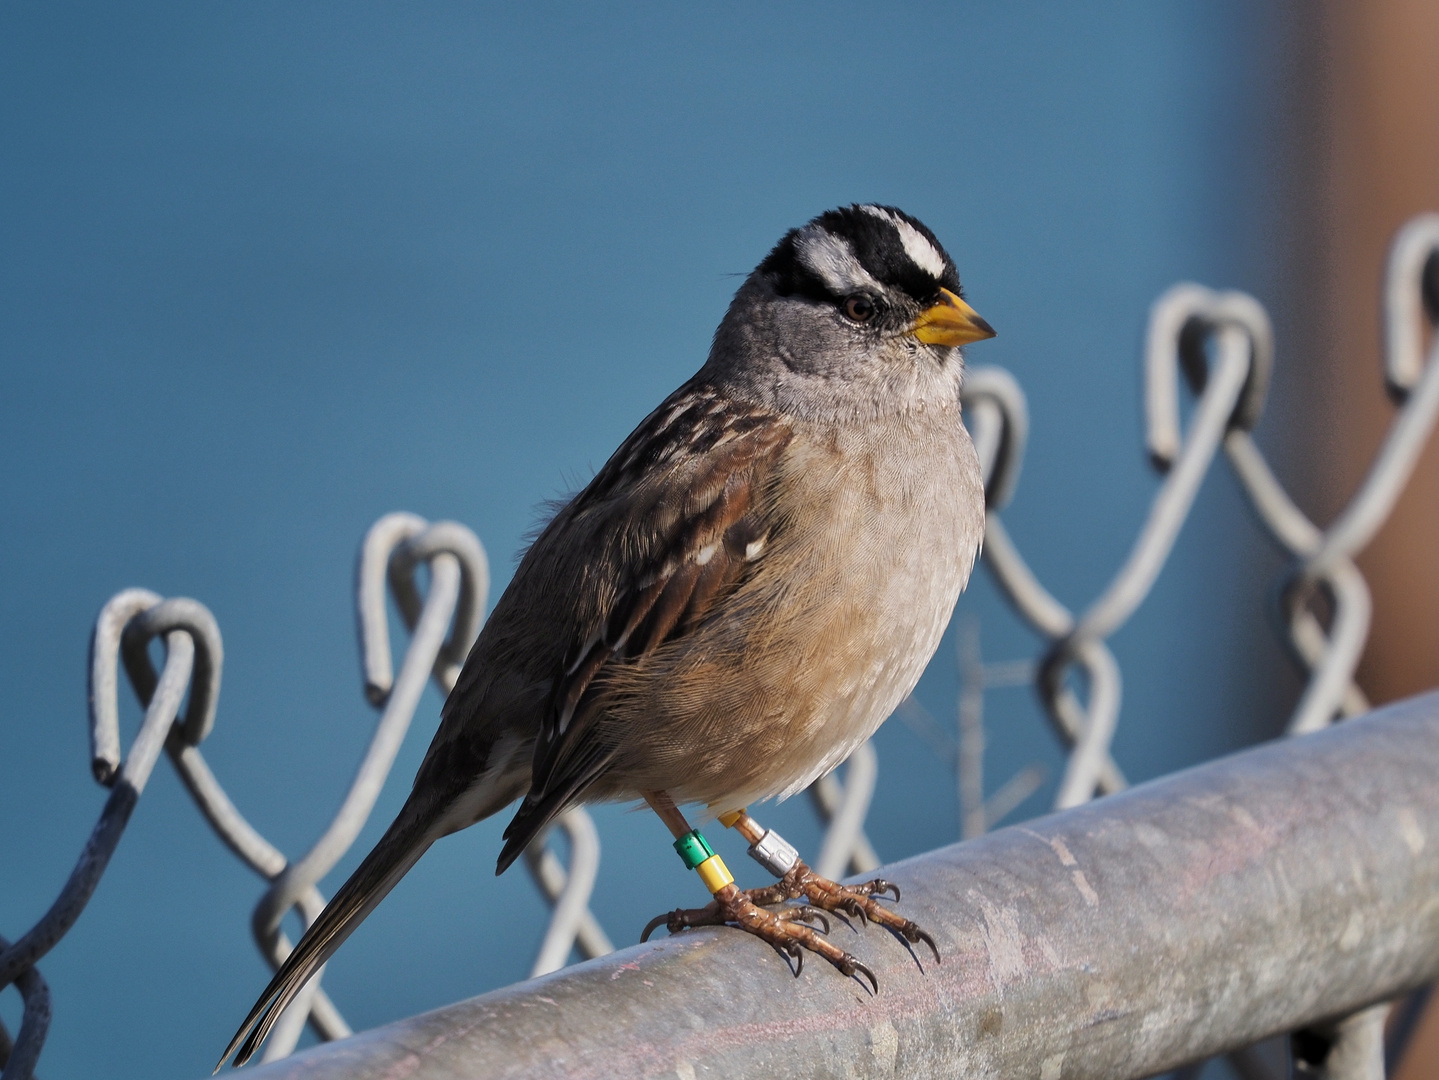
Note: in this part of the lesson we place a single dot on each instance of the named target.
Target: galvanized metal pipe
(1265, 892)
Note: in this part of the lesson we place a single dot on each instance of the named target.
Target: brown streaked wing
(686, 484)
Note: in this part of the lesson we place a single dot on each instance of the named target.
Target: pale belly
(830, 643)
(903, 580)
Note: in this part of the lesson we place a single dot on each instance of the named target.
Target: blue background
(268, 272)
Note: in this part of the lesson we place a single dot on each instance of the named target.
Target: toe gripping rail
(1272, 891)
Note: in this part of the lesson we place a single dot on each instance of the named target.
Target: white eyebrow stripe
(916, 245)
(833, 260)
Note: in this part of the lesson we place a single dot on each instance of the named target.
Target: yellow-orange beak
(950, 322)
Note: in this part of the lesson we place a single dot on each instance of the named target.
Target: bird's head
(857, 311)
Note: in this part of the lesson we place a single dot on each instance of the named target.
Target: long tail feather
(404, 842)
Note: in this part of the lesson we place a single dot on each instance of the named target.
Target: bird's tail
(407, 838)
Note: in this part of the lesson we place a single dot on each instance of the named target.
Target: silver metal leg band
(774, 853)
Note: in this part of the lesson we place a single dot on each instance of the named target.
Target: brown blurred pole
(1380, 165)
(1373, 87)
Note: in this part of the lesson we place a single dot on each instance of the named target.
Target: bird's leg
(796, 879)
(787, 931)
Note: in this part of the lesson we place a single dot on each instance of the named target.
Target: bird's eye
(860, 308)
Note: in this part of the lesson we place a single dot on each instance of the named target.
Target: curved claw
(807, 915)
(798, 954)
(878, 888)
(852, 967)
(655, 923)
(855, 907)
(785, 951)
(920, 935)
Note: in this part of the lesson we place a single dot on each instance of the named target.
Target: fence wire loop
(446, 617)
(568, 889)
(1411, 299)
(999, 426)
(1223, 344)
(18, 1058)
(161, 620)
(1393, 464)
(392, 550)
(185, 627)
(1323, 566)
(103, 690)
(1183, 323)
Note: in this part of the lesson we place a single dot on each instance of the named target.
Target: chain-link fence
(1220, 343)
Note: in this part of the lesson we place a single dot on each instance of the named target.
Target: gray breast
(893, 547)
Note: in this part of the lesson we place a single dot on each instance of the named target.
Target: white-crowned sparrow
(750, 585)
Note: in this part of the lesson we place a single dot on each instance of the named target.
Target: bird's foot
(788, 931)
(859, 901)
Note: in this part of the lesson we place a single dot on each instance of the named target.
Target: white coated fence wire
(1220, 342)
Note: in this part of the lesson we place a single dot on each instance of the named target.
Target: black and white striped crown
(861, 248)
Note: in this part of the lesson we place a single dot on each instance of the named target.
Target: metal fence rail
(1221, 344)
(1186, 917)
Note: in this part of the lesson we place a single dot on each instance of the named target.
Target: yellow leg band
(728, 820)
(714, 874)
